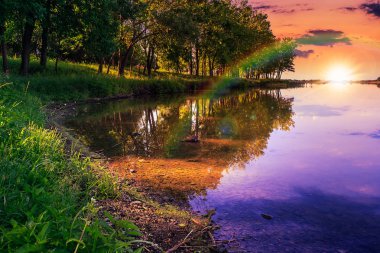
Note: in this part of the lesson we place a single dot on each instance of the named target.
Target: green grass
(46, 195)
(81, 81)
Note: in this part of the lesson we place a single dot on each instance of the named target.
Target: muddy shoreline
(169, 224)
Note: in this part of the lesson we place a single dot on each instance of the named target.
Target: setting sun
(339, 74)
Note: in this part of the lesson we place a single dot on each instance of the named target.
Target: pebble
(266, 216)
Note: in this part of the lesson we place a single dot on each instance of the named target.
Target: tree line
(197, 37)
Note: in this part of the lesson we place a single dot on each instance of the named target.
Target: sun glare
(339, 74)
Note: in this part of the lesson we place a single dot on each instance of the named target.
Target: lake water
(307, 157)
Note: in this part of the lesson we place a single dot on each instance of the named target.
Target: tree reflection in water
(185, 141)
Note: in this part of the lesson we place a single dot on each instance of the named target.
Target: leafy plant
(48, 197)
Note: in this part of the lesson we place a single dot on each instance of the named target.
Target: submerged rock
(266, 216)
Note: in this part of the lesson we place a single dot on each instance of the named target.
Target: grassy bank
(74, 82)
(53, 199)
(47, 196)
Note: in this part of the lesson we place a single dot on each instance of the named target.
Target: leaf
(76, 241)
(41, 237)
(139, 250)
(29, 248)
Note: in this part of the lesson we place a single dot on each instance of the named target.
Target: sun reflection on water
(340, 74)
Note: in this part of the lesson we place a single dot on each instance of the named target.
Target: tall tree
(31, 11)
(4, 7)
(45, 33)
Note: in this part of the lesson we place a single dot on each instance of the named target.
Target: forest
(198, 38)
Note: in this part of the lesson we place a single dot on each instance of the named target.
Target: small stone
(266, 216)
(133, 171)
(182, 225)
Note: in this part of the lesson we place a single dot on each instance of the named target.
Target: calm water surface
(308, 157)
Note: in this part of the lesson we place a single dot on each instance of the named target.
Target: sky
(338, 39)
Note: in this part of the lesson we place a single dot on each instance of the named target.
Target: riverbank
(55, 197)
(54, 182)
(80, 82)
(74, 82)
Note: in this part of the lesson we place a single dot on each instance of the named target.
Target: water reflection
(236, 127)
(176, 146)
(319, 180)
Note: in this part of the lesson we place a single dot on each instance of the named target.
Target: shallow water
(308, 157)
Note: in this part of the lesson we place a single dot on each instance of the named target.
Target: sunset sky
(336, 37)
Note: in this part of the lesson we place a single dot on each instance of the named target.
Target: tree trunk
(211, 70)
(26, 45)
(100, 69)
(150, 60)
(191, 62)
(204, 66)
(45, 35)
(3, 48)
(196, 61)
(131, 62)
(123, 60)
(119, 61)
(56, 64)
(110, 62)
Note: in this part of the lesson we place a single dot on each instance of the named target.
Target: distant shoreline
(375, 82)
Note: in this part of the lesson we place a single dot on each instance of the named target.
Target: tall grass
(80, 81)
(46, 195)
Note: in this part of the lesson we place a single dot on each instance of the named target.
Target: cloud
(327, 37)
(348, 8)
(265, 7)
(283, 10)
(303, 54)
(288, 25)
(371, 8)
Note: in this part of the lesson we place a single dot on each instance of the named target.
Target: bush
(47, 197)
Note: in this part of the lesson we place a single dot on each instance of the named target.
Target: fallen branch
(184, 241)
(189, 238)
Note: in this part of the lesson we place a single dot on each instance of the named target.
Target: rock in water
(266, 216)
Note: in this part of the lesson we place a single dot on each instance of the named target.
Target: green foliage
(80, 82)
(202, 38)
(47, 196)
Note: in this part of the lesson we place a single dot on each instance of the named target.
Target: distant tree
(99, 31)
(31, 11)
(45, 23)
(4, 8)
